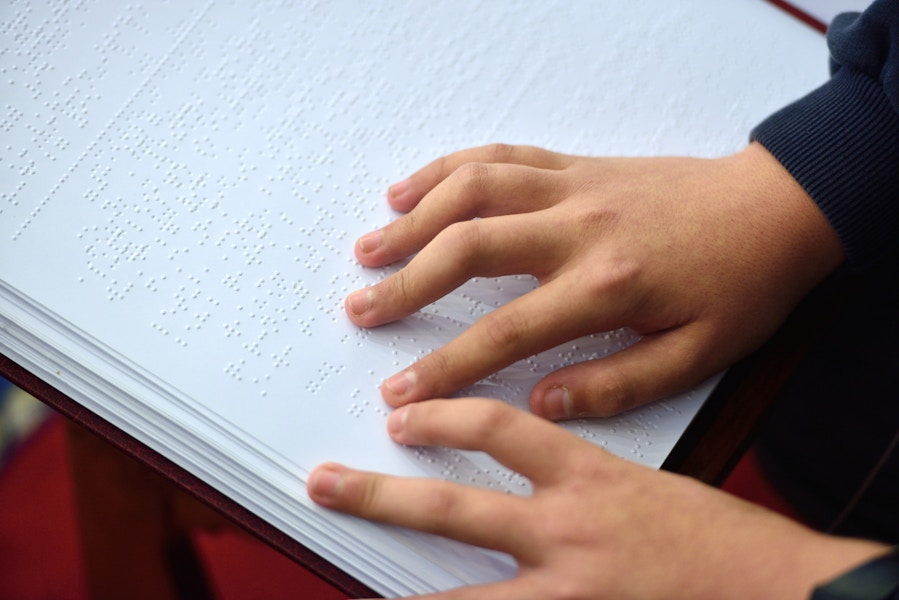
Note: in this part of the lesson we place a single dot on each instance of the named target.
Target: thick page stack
(182, 184)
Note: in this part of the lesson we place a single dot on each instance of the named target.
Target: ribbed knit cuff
(841, 143)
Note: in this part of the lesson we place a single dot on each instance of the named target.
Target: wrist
(790, 230)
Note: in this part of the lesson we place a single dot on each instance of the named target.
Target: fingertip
(369, 249)
(358, 303)
(369, 242)
(400, 196)
(391, 399)
(326, 483)
(397, 389)
(396, 424)
(553, 403)
(589, 389)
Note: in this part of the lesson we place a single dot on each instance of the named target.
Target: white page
(182, 185)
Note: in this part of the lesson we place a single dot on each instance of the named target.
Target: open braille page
(182, 183)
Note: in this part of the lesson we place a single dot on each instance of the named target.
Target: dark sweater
(841, 142)
(840, 411)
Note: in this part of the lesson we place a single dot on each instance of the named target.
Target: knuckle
(407, 225)
(504, 330)
(463, 234)
(586, 187)
(617, 279)
(439, 369)
(556, 529)
(493, 417)
(500, 153)
(367, 495)
(596, 222)
(444, 506)
(614, 394)
(696, 361)
(400, 290)
(404, 235)
(464, 242)
(589, 186)
(441, 165)
(442, 502)
(475, 176)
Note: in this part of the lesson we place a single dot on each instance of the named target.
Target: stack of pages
(181, 185)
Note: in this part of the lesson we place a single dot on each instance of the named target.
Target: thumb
(656, 366)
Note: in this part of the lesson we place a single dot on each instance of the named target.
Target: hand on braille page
(702, 259)
(595, 526)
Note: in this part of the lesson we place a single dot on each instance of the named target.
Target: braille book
(181, 185)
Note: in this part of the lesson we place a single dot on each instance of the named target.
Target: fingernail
(370, 241)
(557, 403)
(396, 422)
(401, 383)
(359, 302)
(398, 190)
(326, 483)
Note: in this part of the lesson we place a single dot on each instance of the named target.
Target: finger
(405, 195)
(523, 327)
(484, 247)
(476, 516)
(502, 431)
(474, 190)
(655, 367)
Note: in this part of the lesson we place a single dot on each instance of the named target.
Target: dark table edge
(186, 481)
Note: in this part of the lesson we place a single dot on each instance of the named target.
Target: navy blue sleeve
(841, 142)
